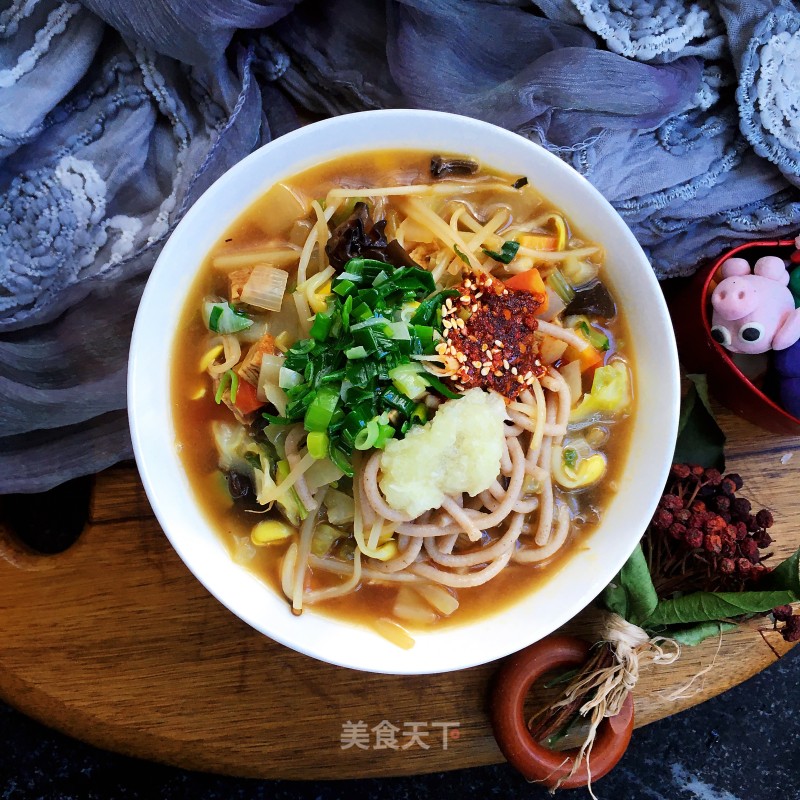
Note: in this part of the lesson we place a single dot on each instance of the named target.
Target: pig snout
(734, 299)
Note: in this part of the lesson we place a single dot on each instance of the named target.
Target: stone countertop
(743, 745)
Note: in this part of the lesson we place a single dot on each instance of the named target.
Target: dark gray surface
(743, 745)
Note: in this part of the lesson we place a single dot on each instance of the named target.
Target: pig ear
(789, 331)
(735, 266)
(773, 268)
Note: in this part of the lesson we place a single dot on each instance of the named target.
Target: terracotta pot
(690, 310)
(533, 760)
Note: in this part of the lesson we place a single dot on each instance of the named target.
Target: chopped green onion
(322, 325)
(347, 307)
(597, 339)
(366, 437)
(425, 335)
(354, 353)
(394, 399)
(397, 331)
(288, 378)
(320, 411)
(213, 320)
(409, 380)
(440, 387)
(372, 322)
(420, 415)
(344, 288)
(273, 420)
(506, 254)
(426, 313)
(318, 443)
(408, 310)
(224, 318)
(558, 283)
(461, 254)
(229, 378)
(341, 460)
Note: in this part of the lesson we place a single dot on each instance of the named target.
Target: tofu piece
(236, 280)
(250, 366)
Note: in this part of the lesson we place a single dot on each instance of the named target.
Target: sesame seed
(498, 373)
(464, 298)
(476, 364)
(461, 324)
(478, 295)
(506, 364)
(474, 308)
(446, 323)
(461, 357)
(528, 375)
(514, 370)
(505, 292)
(498, 342)
(485, 371)
(484, 348)
(449, 302)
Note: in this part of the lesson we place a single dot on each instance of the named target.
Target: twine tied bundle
(603, 683)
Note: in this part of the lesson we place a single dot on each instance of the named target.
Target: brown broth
(193, 417)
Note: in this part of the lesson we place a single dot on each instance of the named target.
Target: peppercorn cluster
(704, 537)
(791, 623)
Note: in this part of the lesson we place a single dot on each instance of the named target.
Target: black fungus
(592, 299)
(442, 167)
(359, 237)
(519, 183)
(240, 487)
(397, 256)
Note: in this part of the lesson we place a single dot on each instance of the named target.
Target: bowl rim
(592, 583)
(720, 350)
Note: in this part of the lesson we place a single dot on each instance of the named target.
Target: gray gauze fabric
(115, 115)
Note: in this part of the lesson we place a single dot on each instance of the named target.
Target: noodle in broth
(381, 564)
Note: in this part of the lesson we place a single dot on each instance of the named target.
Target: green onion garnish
(318, 443)
(229, 378)
(461, 254)
(597, 339)
(354, 383)
(506, 254)
(320, 411)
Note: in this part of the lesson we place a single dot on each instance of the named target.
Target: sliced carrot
(590, 357)
(530, 281)
(246, 398)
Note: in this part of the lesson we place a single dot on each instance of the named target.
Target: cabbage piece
(610, 394)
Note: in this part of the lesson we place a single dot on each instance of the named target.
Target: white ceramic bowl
(656, 388)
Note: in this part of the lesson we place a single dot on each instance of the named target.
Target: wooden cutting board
(116, 643)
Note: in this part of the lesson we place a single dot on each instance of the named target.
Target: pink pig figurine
(754, 312)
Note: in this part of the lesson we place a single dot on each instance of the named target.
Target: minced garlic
(458, 451)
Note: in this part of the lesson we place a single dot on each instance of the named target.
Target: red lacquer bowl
(699, 353)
